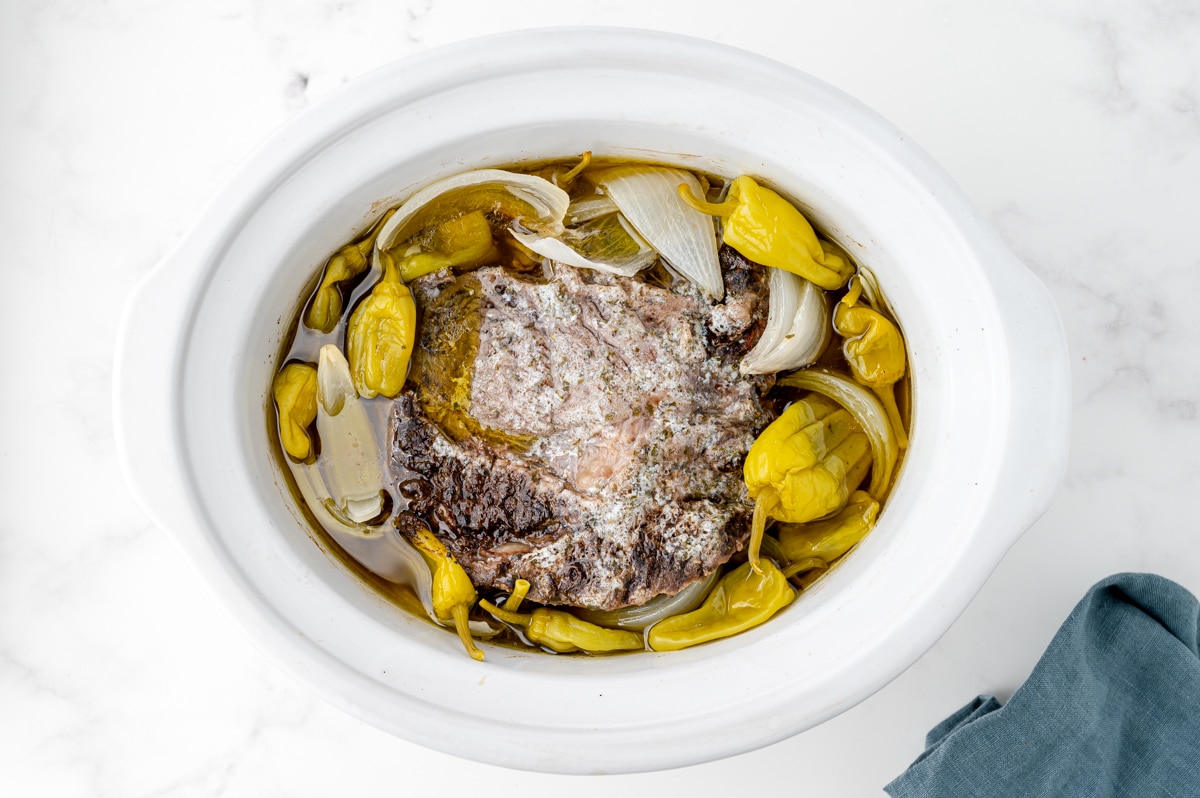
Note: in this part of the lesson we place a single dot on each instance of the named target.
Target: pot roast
(584, 432)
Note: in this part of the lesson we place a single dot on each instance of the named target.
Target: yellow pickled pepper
(295, 394)
(347, 263)
(874, 349)
(804, 465)
(561, 176)
(381, 334)
(769, 230)
(744, 598)
(562, 632)
(453, 593)
(830, 538)
(519, 592)
(463, 241)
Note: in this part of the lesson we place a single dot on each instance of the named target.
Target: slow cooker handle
(145, 375)
(1036, 462)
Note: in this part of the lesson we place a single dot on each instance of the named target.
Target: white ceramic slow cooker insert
(988, 360)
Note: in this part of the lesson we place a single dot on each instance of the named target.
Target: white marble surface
(1074, 127)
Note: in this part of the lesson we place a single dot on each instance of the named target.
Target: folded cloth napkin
(1112, 708)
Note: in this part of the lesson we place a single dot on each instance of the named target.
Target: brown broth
(375, 561)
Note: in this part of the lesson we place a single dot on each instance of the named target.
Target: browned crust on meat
(674, 507)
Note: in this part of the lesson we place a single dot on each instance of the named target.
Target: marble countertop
(1074, 127)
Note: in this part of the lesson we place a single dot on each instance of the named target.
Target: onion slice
(867, 411)
(871, 293)
(797, 330)
(648, 196)
(644, 615)
(605, 244)
(349, 462)
(312, 487)
(587, 208)
(478, 190)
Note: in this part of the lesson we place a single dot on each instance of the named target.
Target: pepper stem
(584, 161)
(887, 395)
(854, 292)
(519, 591)
(721, 209)
(461, 625)
(516, 619)
(391, 272)
(763, 507)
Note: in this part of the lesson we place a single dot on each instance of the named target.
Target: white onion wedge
(871, 293)
(797, 328)
(867, 411)
(547, 203)
(312, 487)
(588, 208)
(654, 610)
(648, 197)
(606, 244)
(349, 462)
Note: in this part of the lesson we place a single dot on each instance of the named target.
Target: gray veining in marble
(1075, 127)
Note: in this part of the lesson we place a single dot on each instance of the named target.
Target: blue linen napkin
(1111, 709)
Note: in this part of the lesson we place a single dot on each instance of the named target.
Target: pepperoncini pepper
(463, 241)
(453, 593)
(563, 632)
(804, 465)
(743, 599)
(564, 177)
(830, 538)
(295, 392)
(347, 263)
(380, 336)
(874, 349)
(769, 230)
(519, 592)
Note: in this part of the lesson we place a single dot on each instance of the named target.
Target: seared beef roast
(585, 432)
